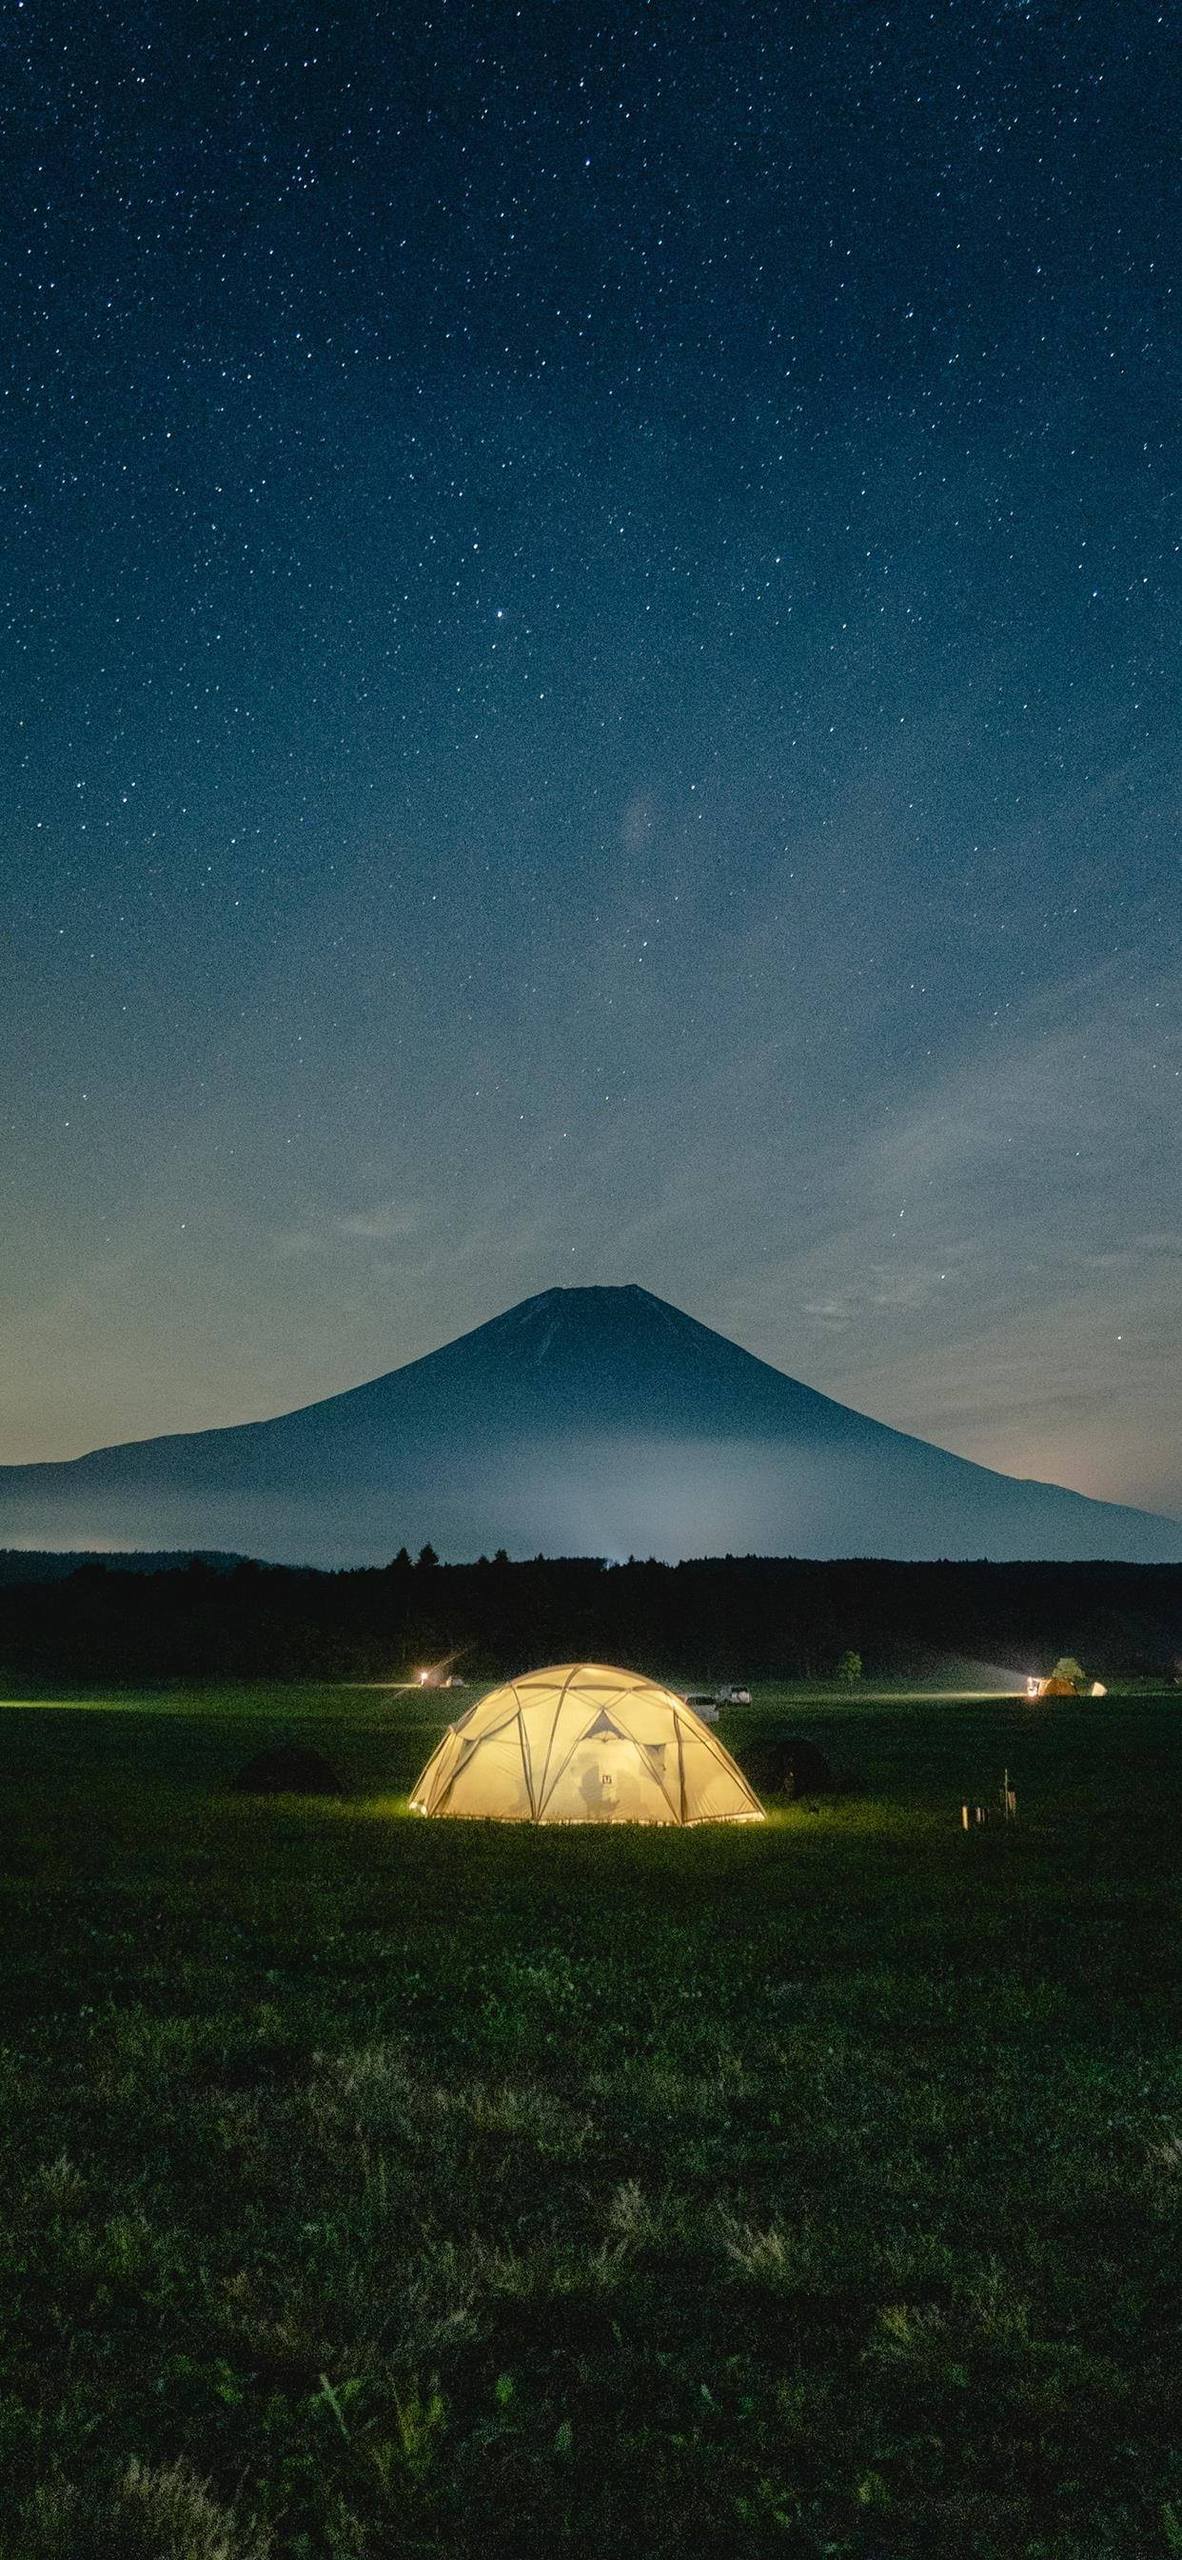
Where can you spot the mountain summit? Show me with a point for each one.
(581, 1422)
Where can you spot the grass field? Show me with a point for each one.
(376, 2186)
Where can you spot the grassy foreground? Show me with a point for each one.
(374, 2186)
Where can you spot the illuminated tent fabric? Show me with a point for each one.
(583, 1743)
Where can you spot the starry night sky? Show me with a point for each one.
(591, 610)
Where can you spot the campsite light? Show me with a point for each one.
(1032, 1684)
(443, 1675)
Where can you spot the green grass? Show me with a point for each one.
(376, 2186)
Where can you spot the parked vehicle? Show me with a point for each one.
(706, 1702)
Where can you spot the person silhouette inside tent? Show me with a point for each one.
(600, 1790)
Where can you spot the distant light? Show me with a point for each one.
(424, 1676)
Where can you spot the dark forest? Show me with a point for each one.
(724, 1618)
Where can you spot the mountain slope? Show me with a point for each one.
(589, 1421)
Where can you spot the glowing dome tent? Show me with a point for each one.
(583, 1743)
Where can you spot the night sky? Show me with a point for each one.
(591, 641)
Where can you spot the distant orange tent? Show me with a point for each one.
(1067, 1680)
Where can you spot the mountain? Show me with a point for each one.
(582, 1422)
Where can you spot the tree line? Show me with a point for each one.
(712, 1620)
